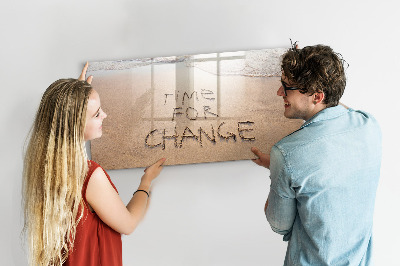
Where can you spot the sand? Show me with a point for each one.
(186, 114)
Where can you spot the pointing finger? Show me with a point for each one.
(161, 161)
(158, 163)
(83, 74)
(256, 151)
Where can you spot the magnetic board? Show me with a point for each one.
(189, 109)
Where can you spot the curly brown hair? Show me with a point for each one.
(316, 69)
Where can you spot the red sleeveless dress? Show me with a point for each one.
(95, 242)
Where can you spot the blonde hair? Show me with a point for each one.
(55, 167)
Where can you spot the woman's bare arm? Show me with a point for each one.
(108, 205)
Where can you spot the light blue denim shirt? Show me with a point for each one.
(324, 178)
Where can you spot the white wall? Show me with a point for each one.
(205, 214)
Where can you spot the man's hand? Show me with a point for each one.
(263, 159)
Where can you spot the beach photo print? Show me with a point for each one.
(189, 109)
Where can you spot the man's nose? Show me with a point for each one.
(280, 91)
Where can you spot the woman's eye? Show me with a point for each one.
(97, 115)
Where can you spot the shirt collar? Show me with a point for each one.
(326, 114)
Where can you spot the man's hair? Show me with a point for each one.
(316, 69)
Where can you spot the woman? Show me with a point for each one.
(73, 213)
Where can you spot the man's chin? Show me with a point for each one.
(290, 116)
(287, 115)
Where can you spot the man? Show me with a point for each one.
(325, 174)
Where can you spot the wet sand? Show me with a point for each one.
(186, 115)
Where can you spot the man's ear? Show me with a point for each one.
(318, 97)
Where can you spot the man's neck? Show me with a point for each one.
(318, 108)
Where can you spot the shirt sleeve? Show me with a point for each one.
(281, 210)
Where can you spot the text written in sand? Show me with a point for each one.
(184, 111)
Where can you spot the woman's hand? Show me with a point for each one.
(151, 172)
(83, 74)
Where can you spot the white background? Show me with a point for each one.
(204, 214)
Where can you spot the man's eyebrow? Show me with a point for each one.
(287, 85)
